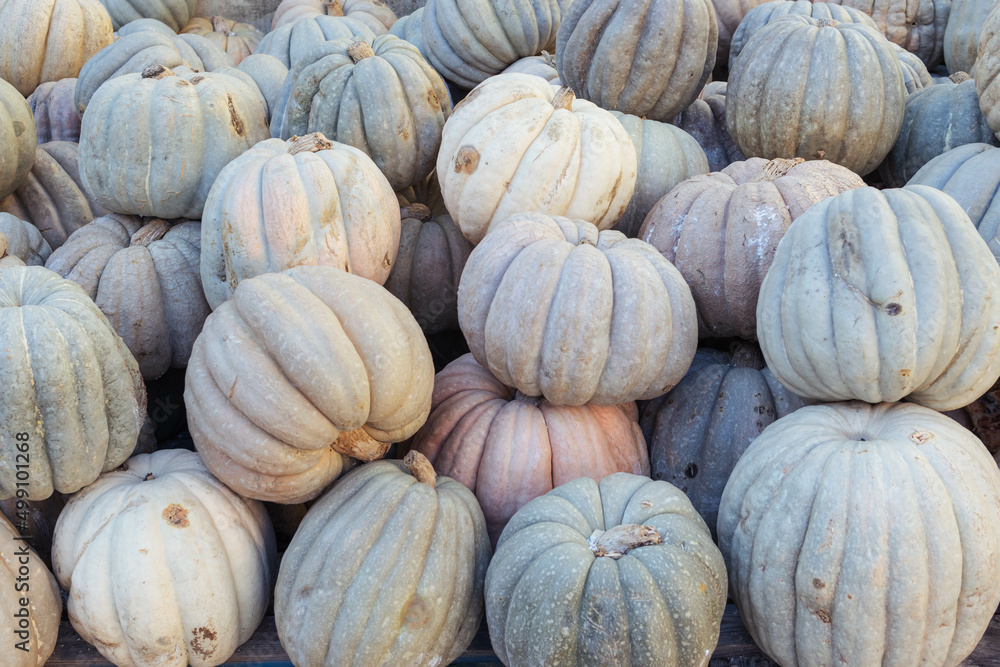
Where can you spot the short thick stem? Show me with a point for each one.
(333, 8)
(417, 211)
(360, 50)
(775, 169)
(309, 143)
(959, 77)
(564, 98)
(620, 540)
(221, 24)
(154, 230)
(549, 60)
(420, 467)
(157, 72)
(359, 445)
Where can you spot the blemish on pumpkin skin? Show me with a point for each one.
(823, 615)
(237, 122)
(817, 584)
(417, 615)
(176, 516)
(466, 160)
(203, 635)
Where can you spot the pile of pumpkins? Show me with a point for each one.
(717, 281)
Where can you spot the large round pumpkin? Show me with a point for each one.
(916, 25)
(374, 14)
(291, 41)
(721, 231)
(961, 35)
(18, 137)
(986, 71)
(305, 201)
(777, 106)
(30, 602)
(298, 370)
(880, 295)
(648, 58)
(516, 145)
(164, 565)
(183, 128)
(380, 97)
(24, 241)
(386, 569)
(54, 110)
(237, 39)
(519, 306)
(174, 13)
(68, 379)
(618, 572)
(864, 535)
(509, 448)
(705, 120)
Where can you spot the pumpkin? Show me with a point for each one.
(144, 277)
(777, 107)
(937, 119)
(410, 28)
(427, 192)
(37, 519)
(269, 74)
(647, 58)
(915, 74)
(18, 136)
(135, 52)
(698, 430)
(305, 201)
(543, 66)
(970, 174)
(69, 379)
(299, 370)
(140, 25)
(961, 34)
(666, 155)
(924, 325)
(532, 269)
(515, 145)
(374, 14)
(729, 15)
(863, 534)
(24, 241)
(52, 197)
(164, 565)
(416, 539)
(428, 266)
(469, 42)
(30, 600)
(509, 448)
(164, 173)
(987, 69)
(618, 572)
(174, 13)
(54, 111)
(380, 97)
(762, 14)
(237, 39)
(49, 40)
(721, 231)
(916, 26)
(292, 41)
(705, 120)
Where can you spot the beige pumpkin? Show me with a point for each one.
(18, 137)
(237, 39)
(519, 306)
(916, 25)
(375, 14)
(986, 71)
(305, 201)
(721, 230)
(48, 40)
(24, 241)
(509, 448)
(363, 378)
(516, 144)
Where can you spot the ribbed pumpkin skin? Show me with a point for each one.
(52, 197)
(18, 136)
(145, 279)
(237, 39)
(551, 601)
(423, 548)
(24, 240)
(705, 120)
(762, 14)
(532, 270)
(543, 66)
(666, 156)
(916, 26)
(698, 431)
(509, 448)
(390, 104)
(647, 58)
(291, 41)
(970, 175)
(469, 42)
(779, 106)
(273, 208)
(269, 74)
(410, 28)
(174, 13)
(721, 231)
(574, 159)
(52, 106)
(375, 14)
(154, 168)
(69, 379)
(915, 74)
(986, 71)
(165, 566)
(362, 369)
(880, 295)
(961, 36)
(864, 535)
(729, 15)
(39, 588)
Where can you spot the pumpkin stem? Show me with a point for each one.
(333, 8)
(220, 24)
(420, 467)
(309, 143)
(4, 245)
(157, 72)
(358, 444)
(620, 540)
(564, 98)
(360, 50)
(775, 169)
(549, 60)
(827, 23)
(746, 355)
(959, 77)
(418, 211)
(154, 230)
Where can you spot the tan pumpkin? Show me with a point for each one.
(363, 378)
(916, 25)
(519, 306)
(305, 201)
(17, 136)
(24, 241)
(721, 231)
(373, 13)
(237, 39)
(986, 71)
(54, 110)
(509, 448)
